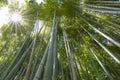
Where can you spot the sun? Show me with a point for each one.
(16, 17)
(16, 21)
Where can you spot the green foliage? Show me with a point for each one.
(79, 40)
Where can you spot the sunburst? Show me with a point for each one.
(16, 17)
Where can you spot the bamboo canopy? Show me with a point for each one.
(60, 40)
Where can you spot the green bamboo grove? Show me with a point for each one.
(60, 40)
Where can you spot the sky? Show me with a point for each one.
(4, 16)
(39, 1)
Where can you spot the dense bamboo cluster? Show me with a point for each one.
(78, 40)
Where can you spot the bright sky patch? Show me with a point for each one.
(4, 18)
(39, 1)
